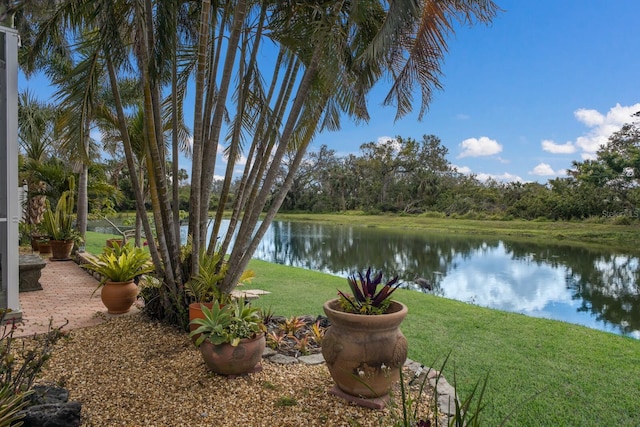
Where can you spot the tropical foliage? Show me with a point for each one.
(228, 323)
(58, 223)
(366, 298)
(267, 77)
(120, 263)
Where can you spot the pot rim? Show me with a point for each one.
(391, 319)
(126, 282)
(261, 335)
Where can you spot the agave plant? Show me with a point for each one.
(366, 298)
(228, 323)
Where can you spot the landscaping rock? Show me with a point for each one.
(283, 360)
(53, 415)
(312, 359)
(48, 394)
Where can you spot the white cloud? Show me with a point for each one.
(484, 146)
(386, 139)
(601, 126)
(462, 169)
(505, 177)
(552, 147)
(543, 169)
(462, 116)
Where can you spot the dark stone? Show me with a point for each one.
(30, 268)
(43, 394)
(53, 415)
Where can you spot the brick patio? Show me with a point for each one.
(66, 295)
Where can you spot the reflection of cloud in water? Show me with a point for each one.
(619, 273)
(495, 280)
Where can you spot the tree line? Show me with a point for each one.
(403, 175)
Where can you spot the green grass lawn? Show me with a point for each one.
(95, 242)
(576, 376)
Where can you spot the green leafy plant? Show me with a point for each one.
(120, 263)
(228, 323)
(19, 366)
(58, 223)
(365, 297)
(204, 286)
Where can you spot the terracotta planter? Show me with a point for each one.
(110, 242)
(34, 243)
(363, 352)
(44, 247)
(195, 312)
(118, 297)
(224, 359)
(61, 249)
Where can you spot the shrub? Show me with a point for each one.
(19, 365)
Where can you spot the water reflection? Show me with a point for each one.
(595, 288)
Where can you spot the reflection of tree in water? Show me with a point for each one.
(606, 284)
(344, 250)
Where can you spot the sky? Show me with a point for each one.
(545, 84)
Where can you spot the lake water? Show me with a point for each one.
(595, 288)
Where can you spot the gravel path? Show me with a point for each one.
(130, 371)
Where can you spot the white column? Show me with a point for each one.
(9, 203)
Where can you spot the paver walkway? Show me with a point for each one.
(65, 295)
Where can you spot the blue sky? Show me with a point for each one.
(544, 85)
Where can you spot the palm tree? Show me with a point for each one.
(35, 137)
(329, 56)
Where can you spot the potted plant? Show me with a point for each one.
(58, 225)
(44, 245)
(364, 347)
(230, 336)
(119, 267)
(202, 288)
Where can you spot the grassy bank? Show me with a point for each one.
(580, 376)
(588, 232)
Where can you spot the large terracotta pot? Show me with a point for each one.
(118, 297)
(363, 352)
(225, 359)
(61, 249)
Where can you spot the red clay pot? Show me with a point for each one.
(61, 249)
(118, 297)
(224, 359)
